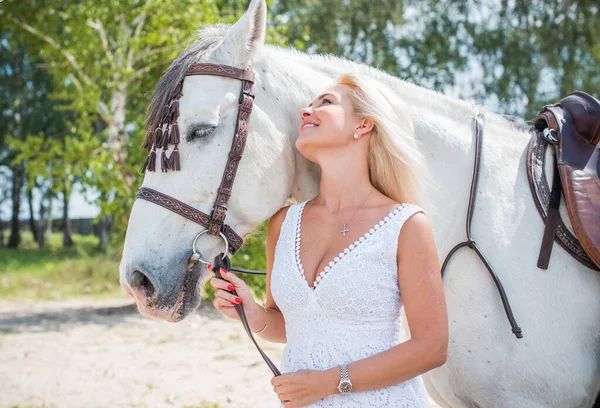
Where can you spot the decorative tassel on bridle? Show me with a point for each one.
(166, 133)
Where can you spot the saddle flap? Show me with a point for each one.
(576, 123)
(582, 193)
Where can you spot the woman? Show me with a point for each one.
(335, 296)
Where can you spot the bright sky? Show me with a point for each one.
(79, 207)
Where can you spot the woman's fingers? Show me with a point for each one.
(231, 277)
(228, 296)
(231, 282)
(221, 284)
(220, 303)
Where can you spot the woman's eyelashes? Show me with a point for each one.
(200, 132)
(319, 104)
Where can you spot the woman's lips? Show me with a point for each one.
(308, 126)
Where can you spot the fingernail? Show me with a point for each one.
(238, 300)
(209, 266)
(223, 270)
(230, 287)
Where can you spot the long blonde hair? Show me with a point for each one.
(396, 164)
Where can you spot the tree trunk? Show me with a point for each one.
(103, 227)
(32, 223)
(67, 238)
(1, 234)
(49, 219)
(15, 224)
(117, 137)
(41, 230)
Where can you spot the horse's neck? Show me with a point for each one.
(443, 126)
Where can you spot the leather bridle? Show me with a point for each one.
(215, 222)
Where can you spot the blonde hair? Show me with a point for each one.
(396, 164)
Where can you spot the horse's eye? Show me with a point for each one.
(201, 132)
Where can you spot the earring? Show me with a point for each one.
(355, 135)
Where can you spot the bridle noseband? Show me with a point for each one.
(167, 133)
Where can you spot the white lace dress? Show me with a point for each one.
(352, 313)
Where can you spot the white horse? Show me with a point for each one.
(555, 364)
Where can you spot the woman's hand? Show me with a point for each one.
(301, 388)
(224, 301)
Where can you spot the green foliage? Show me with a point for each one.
(87, 270)
(78, 76)
(55, 272)
(105, 57)
(529, 53)
(361, 30)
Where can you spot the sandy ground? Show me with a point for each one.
(90, 353)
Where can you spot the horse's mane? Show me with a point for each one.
(434, 99)
(208, 39)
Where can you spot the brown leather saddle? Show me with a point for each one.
(572, 126)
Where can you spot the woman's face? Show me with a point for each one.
(328, 122)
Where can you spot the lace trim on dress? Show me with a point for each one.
(320, 275)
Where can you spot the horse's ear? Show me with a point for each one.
(245, 37)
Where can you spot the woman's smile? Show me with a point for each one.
(307, 124)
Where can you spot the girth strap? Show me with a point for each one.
(551, 222)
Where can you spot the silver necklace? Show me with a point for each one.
(345, 229)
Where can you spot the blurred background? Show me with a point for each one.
(76, 76)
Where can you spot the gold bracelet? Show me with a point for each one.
(263, 329)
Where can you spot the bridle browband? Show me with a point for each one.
(167, 133)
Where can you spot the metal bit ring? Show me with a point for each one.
(197, 255)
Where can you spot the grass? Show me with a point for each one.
(55, 273)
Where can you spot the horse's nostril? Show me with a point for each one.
(140, 281)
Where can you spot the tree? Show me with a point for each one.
(522, 54)
(26, 109)
(105, 57)
(361, 30)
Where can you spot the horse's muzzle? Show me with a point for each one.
(158, 300)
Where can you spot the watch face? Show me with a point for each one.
(345, 386)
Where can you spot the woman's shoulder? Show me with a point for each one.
(410, 218)
(407, 208)
(280, 215)
(277, 218)
(414, 224)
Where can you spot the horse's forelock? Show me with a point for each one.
(208, 39)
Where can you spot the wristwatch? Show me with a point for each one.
(345, 385)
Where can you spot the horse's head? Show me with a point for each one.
(154, 267)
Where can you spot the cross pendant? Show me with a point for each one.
(344, 230)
